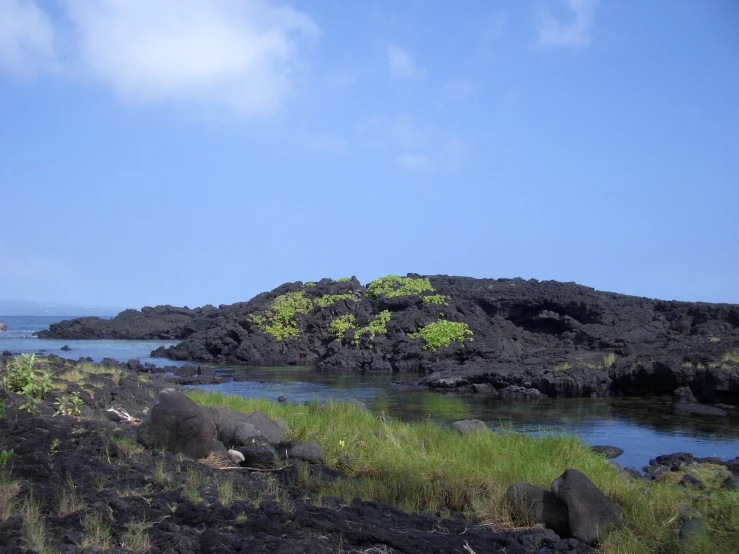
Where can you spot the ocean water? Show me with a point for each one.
(20, 339)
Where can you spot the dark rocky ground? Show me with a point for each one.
(561, 339)
(86, 472)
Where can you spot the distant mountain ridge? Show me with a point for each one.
(21, 307)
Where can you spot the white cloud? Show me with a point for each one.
(415, 163)
(26, 38)
(459, 90)
(237, 54)
(401, 64)
(575, 33)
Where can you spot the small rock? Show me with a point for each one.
(699, 409)
(590, 511)
(731, 483)
(692, 482)
(540, 506)
(134, 365)
(267, 427)
(632, 473)
(243, 433)
(684, 395)
(609, 452)
(258, 452)
(468, 426)
(309, 452)
(281, 399)
(66, 348)
(688, 512)
(691, 528)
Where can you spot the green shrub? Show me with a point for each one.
(442, 333)
(344, 280)
(329, 299)
(377, 326)
(310, 284)
(22, 376)
(339, 326)
(393, 286)
(438, 299)
(69, 404)
(279, 318)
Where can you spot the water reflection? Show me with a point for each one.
(643, 428)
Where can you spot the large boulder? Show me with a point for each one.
(267, 427)
(310, 452)
(590, 511)
(178, 424)
(225, 422)
(258, 452)
(539, 506)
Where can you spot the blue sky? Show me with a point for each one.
(192, 152)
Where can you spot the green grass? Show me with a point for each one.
(422, 466)
(563, 366)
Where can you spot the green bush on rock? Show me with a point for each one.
(279, 318)
(442, 333)
(339, 326)
(329, 299)
(377, 326)
(437, 299)
(393, 286)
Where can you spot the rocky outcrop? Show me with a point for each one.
(158, 323)
(527, 337)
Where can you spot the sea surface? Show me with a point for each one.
(20, 339)
(643, 428)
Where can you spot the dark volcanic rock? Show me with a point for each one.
(178, 424)
(539, 506)
(560, 339)
(590, 511)
(609, 452)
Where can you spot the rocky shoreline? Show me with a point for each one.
(506, 337)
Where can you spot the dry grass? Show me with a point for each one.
(136, 537)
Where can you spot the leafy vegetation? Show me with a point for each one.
(279, 319)
(414, 466)
(22, 376)
(344, 280)
(438, 299)
(442, 333)
(310, 284)
(377, 326)
(69, 405)
(393, 286)
(563, 366)
(339, 326)
(329, 299)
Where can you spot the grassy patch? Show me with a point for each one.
(136, 537)
(421, 467)
(443, 333)
(609, 359)
(393, 286)
(377, 326)
(97, 532)
(563, 366)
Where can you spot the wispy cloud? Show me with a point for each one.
(401, 64)
(573, 33)
(26, 38)
(415, 146)
(243, 56)
(238, 55)
(415, 163)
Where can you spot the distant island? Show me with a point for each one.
(502, 337)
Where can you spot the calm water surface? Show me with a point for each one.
(643, 428)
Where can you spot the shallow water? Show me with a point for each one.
(19, 339)
(643, 428)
